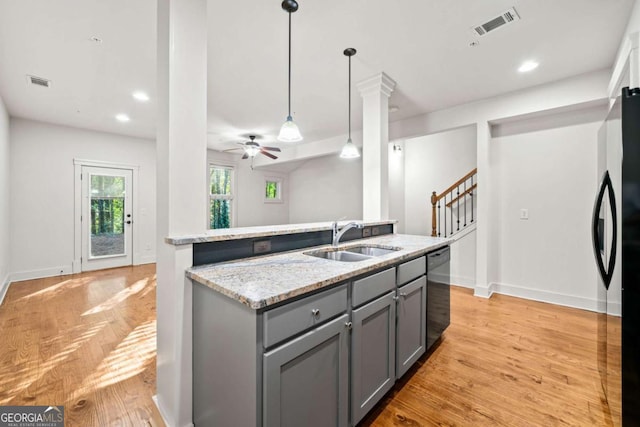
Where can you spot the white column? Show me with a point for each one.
(486, 240)
(181, 200)
(375, 93)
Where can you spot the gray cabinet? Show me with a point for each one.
(411, 324)
(305, 381)
(373, 348)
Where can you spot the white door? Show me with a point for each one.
(106, 218)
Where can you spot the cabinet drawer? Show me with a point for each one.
(411, 269)
(290, 319)
(372, 286)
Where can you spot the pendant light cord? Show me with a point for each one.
(289, 64)
(349, 98)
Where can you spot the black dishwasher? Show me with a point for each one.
(438, 294)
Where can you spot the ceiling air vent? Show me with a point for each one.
(505, 18)
(39, 81)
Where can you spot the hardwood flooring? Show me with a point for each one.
(503, 362)
(88, 342)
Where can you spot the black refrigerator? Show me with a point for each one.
(616, 244)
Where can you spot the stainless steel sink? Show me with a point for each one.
(343, 256)
(353, 253)
(371, 250)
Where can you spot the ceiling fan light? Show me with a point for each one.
(252, 150)
(289, 131)
(349, 151)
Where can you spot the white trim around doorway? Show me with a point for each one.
(77, 208)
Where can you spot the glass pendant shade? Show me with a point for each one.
(349, 151)
(252, 151)
(289, 131)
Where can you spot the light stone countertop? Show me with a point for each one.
(262, 231)
(263, 281)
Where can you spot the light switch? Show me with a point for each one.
(524, 213)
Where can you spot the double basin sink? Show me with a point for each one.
(353, 253)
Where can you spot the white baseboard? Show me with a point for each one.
(465, 282)
(483, 291)
(38, 274)
(4, 287)
(162, 413)
(614, 309)
(545, 296)
(148, 259)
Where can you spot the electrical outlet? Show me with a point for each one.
(261, 247)
(524, 213)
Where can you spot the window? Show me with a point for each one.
(220, 196)
(273, 190)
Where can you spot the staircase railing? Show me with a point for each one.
(459, 195)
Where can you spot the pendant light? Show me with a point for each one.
(349, 151)
(289, 131)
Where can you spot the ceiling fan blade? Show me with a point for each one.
(266, 153)
(232, 149)
(271, 148)
(245, 156)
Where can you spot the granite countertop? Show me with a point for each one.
(262, 231)
(263, 281)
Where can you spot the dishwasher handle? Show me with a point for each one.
(438, 258)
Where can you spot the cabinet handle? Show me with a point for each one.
(315, 312)
(349, 325)
(395, 298)
(403, 295)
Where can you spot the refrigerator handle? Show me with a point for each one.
(606, 274)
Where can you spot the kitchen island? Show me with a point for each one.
(289, 338)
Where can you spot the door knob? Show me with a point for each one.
(129, 222)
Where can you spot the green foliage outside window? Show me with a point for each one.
(271, 190)
(107, 204)
(220, 197)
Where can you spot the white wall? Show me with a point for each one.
(326, 189)
(433, 163)
(396, 186)
(4, 198)
(250, 206)
(633, 24)
(42, 196)
(551, 171)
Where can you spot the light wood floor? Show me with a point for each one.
(88, 342)
(503, 362)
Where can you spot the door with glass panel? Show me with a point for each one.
(106, 218)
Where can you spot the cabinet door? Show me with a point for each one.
(306, 379)
(373, 343)
(412, 318)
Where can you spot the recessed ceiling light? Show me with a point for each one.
(95, 39)
(140, 96)
(122, 118)
(528, 66)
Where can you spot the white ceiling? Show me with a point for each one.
(422, 44)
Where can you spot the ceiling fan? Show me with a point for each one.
(252, 148)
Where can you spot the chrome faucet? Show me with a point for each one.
(337, 234)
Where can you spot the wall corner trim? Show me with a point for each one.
(155, 400)
(4, 287)
(483, 291)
